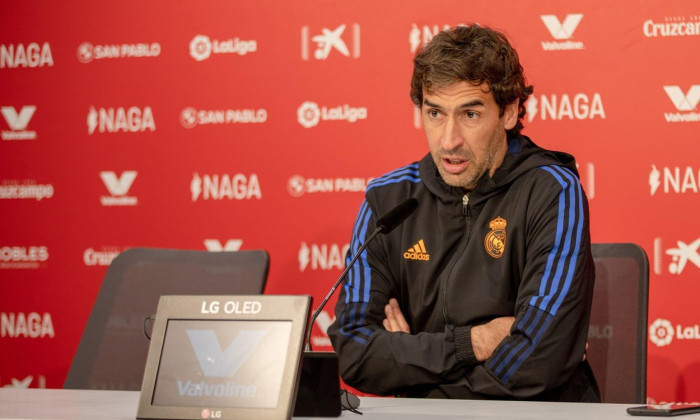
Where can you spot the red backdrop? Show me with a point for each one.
(227, 125)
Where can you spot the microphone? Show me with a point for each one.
(319, 382)
(384, 225)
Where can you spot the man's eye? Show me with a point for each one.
(433, 113)
(471, 114)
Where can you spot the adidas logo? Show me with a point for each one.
(417, 252)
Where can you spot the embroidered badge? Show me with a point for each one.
(495, 241)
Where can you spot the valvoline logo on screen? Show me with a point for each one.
(218, 363)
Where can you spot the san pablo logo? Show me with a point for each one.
(495, 240)
(191, 117)
(18, 123)
(88, 52)
(327, 40)
(684, 102)
(298, 185)
(562, 31)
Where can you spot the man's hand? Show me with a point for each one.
(486, 337)
(395, 321)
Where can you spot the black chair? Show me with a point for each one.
(113, 349)
(617, 336)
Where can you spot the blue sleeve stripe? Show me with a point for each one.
(406, 173)
(556, 281)
(357, 286)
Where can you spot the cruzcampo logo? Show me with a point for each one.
(495, 241)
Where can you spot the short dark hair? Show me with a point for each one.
(474, 54)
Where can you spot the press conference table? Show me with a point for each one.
(63, 404)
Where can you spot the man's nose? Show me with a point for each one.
(452, 137)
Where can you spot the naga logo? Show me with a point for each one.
(420, 36)
(558, 107)
(417, 252)
(28, 189)
(298, 185)
(32, 56)
(127, 120)
(23, 257)
(562, 32)
(322, 257)
(31, 325)
(683, 102)
(675, 180)
(190, 117)
(662, 332)
(88, 52)
(214, 245)
(202, 47)
(672, 26)
(118, 188)
(217, 363)
(329, 40)
(18, 123)
(681, 255)
(309, 114)
(232, 187)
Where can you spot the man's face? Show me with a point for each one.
(466, 135)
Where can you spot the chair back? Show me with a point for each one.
(617, 335)
(113, 349)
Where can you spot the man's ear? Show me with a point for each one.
(510, 115)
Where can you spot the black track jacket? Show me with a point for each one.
(519, 245)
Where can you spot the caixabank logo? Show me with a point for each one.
(684, 256)
(663, 332)
(31, 55)
(202, 47)
(343, 40)
(310, 114)
(225, 187)
(18, 122)
(562, 31)
(685, 103)
(674, 180)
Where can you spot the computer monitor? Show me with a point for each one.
(224, 357)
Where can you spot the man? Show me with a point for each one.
(485, 291)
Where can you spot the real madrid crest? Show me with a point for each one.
(495, 241)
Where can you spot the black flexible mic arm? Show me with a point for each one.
(385, 224)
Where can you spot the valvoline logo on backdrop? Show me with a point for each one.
(685, 103)
(562, 31)
(18, 121)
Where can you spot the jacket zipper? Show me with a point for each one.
(466, 212)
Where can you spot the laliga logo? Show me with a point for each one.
(200, 47)
(661, 332)
(309, 114)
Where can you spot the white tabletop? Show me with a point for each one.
(60, 404)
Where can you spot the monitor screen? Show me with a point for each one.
(222, 363)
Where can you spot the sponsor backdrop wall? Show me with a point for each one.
(232, 125)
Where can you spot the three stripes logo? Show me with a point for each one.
(417, 252)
